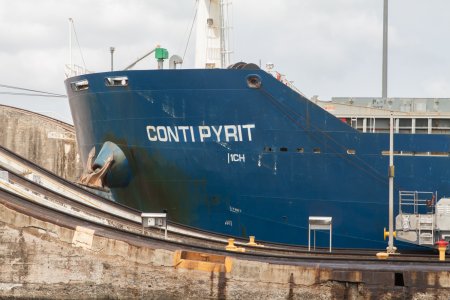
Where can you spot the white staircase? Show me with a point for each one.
(426, 229)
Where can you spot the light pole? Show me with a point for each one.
(390, 248)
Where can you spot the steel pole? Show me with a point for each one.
(391, 248)
(111, 49)
(385, 50)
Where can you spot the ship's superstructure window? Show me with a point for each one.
(300, 150)
(372, 115)
(402, 124)
(116, 81)
(316, 150)
(421, 125)
(80, 85)
(283, 149)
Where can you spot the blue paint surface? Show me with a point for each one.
(308, 171)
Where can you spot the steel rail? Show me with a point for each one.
(50, 215)
(196, 236)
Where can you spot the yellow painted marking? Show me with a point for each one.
(202, 261)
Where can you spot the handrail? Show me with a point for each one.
(75, 70)
(417, 199)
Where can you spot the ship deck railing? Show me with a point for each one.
(409, 124)
(75, 70)
(417, 202)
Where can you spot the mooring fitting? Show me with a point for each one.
(382, 255)
(252, 242)
(442, 247)
(232, 247)
(386, 233)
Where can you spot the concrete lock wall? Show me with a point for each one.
(41, 260)
(47, 142)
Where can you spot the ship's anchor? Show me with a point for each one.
(95, 177)
(110, 168)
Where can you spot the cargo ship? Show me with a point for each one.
(239, 152)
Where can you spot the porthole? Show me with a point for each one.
(253, 81)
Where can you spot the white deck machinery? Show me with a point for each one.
(422, 220)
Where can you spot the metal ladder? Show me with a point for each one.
(426, 229)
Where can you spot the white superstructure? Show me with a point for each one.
(212, 49)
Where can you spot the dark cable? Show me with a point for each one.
(190, 32)
(78, 43)
(30, 90)
(34, 95)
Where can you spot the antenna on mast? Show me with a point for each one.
(70, 49)
(71, 68)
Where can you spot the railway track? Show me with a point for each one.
(37, 192)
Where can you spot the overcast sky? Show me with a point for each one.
(327, 47)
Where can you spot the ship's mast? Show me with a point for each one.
(212, 48)
(70, 72)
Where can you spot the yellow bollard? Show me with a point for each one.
(442, 253)
(252, 241)
(442, 247)
(231, 246)
(386, 233)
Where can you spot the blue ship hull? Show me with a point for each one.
(222, 156)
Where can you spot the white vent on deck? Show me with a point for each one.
(443, 209)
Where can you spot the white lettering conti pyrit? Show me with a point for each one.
(202, 133)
